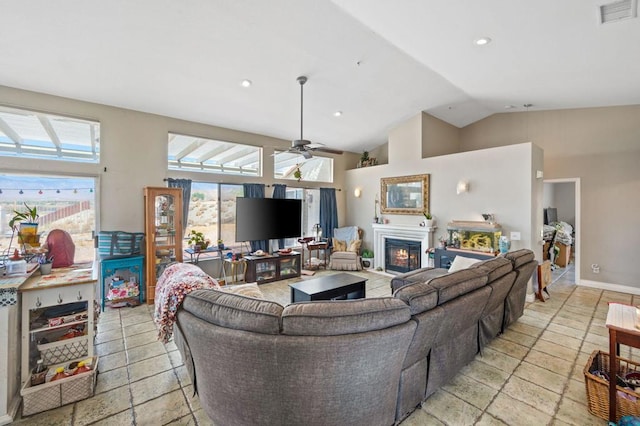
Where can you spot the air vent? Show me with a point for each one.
(623, 9)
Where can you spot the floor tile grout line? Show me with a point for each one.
(575, 361)
(126, 354)
(529, 349)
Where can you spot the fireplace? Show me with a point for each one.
(401, 255)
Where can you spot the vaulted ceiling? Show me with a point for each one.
(378, 62)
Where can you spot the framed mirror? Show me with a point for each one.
(405, 194)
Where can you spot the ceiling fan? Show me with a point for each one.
(302, 146)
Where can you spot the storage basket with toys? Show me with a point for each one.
(596, 379)
(58, 385)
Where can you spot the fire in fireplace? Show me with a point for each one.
(401, 255)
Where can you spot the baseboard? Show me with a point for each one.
(610, 287)
(12, 411)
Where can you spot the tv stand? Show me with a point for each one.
(275, 267)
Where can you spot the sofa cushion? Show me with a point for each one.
(354, 246)
(419, 296)
(460, 262)
(234, 311)
(339, 245)
(456, 284)
(494, 268)
(419, 275)
(520, 257)
(335, 317)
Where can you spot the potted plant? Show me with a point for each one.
(26, 224)
(428, 219)
(367, 258)
(220, 244)
(297, 173)
(197, 240)
(364, 158)
(366, 161)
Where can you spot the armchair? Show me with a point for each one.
(345, 255)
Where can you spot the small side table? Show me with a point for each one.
(621, 322)
(236, 266)
(318, 246)
(194, 257)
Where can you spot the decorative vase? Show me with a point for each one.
(429, 223)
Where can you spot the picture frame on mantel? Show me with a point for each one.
(405, 194)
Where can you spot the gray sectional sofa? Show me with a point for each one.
(357, 362)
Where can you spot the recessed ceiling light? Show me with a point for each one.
(246, 83)
(337, 113)
(482, 41)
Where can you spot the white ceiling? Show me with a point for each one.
(378, 61)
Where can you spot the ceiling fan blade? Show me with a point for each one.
(306, 154)
(328, 150)
(314, 145)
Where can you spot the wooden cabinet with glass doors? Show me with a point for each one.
(163, 232)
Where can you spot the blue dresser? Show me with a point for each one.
(122, 281)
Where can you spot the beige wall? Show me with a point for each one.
(514, 201)
(134, 153)
(438, 137)
(601, 147)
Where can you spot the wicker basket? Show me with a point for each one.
(36, 399)
(627, 401)
(64, 350)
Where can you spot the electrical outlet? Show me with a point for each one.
(515, 236)
(595, 268)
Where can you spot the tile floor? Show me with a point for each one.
(530, 375)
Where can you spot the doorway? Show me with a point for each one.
(564, 195)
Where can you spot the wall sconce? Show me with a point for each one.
(463, 186)
(357, 192)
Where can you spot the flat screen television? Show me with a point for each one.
(267, 218)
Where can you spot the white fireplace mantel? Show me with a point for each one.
(381, 231)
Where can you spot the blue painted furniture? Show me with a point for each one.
(122, 281)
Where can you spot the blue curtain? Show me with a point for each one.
(280, 191)
(256, 190)
(185, 184)
(328, 212)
